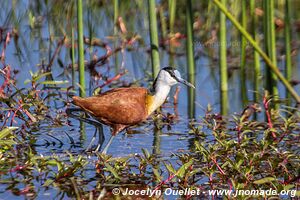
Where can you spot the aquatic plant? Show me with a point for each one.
(80, 49)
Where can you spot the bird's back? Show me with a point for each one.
(126, 106)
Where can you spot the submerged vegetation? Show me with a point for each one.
(42, 150)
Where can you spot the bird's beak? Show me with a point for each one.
(181, 80)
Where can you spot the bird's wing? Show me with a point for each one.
(118, 106)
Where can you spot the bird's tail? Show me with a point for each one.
(77, 100)
(85, 104)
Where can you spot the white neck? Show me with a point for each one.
(161, 93)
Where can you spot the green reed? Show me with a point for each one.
(80, 48)
(163, 22)
(73, 57)
(172, 12)
(190, 57)
(243, 54)
(287, 35)
(116, 15)
(256, 61)
(223, 62)
(257, 48)
(270, 45)
(153, 38)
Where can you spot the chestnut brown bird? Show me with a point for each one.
(123, 107)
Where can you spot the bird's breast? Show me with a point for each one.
(149, 104)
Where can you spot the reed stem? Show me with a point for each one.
(172, 12)
(270, 44)
(153, 38)
(257, 73)
(190, 57)
(163, 22)
(116, 15)
(223, 63)
(273, 45)
(243, 54)
(73, 58)
(288, 58)
(80, 49)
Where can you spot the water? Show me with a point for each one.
(130, 142)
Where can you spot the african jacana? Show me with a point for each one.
(123, 107)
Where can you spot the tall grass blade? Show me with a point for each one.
(172, 12)
(270, 44)
(243, 54)
(257, 69)
(223, 62)
(287, 36)
(116, 16)
(80, 48)
(153, 38)
(190, 57)
(163, 22)
(73, 57)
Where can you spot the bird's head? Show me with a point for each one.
(169, 76)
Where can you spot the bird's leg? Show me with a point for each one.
(104, 151)
(101, 138)
(92, 140)
(97, 125)
(116, 128)
(70, 111)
